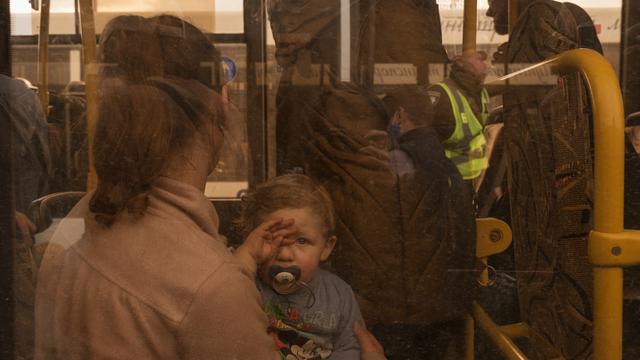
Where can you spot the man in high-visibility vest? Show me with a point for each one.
(461, 109)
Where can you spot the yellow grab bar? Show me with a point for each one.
(43, 56)
(610, 246)
(493, 236)
(608, 122)
(91, 79)
(504, 343)
(469, 27)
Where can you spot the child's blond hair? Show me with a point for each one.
(286, 192)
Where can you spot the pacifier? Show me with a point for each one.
(284, 279)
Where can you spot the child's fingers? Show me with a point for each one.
(277, 243)
(267, 225)
(282, 240)
(282, 224)
(286, 241)
(286, 232)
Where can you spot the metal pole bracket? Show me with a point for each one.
(614, 249)
(493, 236)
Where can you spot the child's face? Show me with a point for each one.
(310, 248)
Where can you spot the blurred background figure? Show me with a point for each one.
(68, 136)
(419, 154)
(22, 112)
(553, 173)
(461, 110)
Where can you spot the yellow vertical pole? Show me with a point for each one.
(607, 313)
(608, 204)
(91, 79)
(43, 56)
(608, 115)
(469, 27)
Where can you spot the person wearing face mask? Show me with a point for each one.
(460, 110)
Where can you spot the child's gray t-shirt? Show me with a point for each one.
(320, 329)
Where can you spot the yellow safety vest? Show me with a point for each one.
(466, 146)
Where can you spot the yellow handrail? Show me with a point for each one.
(608, 117)
(469, 27)
(504, 343)
(516, 331)
(91, 79)
(610, 246)
(43, 57)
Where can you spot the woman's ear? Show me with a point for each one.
(328, 248)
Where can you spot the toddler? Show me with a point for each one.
(311, 311)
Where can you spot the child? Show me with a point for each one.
(311, 311)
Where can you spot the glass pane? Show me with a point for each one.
(199, 12)
(415, 143)
(26, 21)
(229, 17)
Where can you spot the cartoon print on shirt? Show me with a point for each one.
(291, 344)
(308, 351)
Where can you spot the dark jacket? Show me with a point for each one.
(20, 112)
(547, 137)
(451, 208)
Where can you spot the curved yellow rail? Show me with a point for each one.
(610, 246)
(469, 27)
(608, 127)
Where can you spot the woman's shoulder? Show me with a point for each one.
(161, 263)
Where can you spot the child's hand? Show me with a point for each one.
(264, 242)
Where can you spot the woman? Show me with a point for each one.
(150, 277)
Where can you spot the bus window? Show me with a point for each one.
(416, 143)
(66, 83)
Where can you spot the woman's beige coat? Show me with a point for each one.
(162, 286)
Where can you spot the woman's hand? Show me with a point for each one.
(264, 242)
(27, 228)
(370, 348)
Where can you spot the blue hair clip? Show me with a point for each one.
(229, 68)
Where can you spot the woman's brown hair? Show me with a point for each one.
(179, 37)
(143, 120)
(286, 192)
(130, 48)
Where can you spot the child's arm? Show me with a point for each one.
(263, 242)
